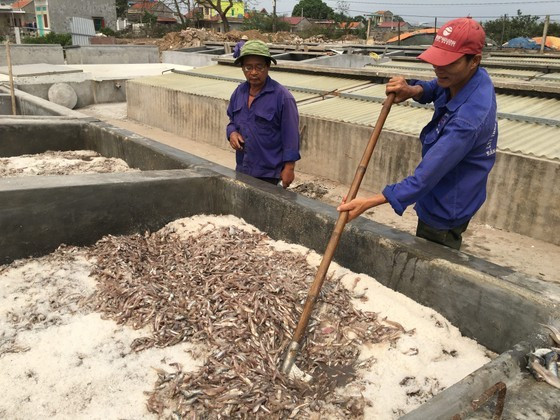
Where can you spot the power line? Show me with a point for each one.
(454, 4)
(368, 12)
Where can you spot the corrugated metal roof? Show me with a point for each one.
(530, 106)
(527, 137)
(515, 136)
(521, 60)
(290, 79)
(397, 66)
(194, 85)
(200, 86)
(507, 104)
(554, 77)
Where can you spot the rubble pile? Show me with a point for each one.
(192, 37)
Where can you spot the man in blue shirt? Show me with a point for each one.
(263, 124)
(458, 144)
(239, 45)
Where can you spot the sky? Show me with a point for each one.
(424, 11)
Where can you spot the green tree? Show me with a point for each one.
(553, 29)
(149, 18)
(314, 9)
(263, 22)
(122, 7)
(507, 27)
(50, 38)
(220, 9)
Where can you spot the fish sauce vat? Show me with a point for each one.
(491, 304)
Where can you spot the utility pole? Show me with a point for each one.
(435, 26)
(503, 30)
(545, 30)
(11, 75)
(273, 15)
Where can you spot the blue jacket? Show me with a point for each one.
(270, 129)
(458, 151)
(237, 48)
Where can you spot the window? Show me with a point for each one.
(98, 23)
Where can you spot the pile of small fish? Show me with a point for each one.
(66, 162)
(231, 292)
(543, 363)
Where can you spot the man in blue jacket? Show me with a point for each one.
(239, 45)
(458, 144)
(263, 124)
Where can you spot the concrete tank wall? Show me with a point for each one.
(352, 61)
(5, 104)
(513, 180)
(87, 90)
(112, 54)
(32, 54)
(187, 59)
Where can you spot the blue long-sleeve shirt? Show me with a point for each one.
(270, 128)
(237, 48)
(458, 152)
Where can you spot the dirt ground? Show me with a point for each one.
(521, 253)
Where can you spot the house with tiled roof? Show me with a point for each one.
(393, 26)
(164, 14)
(297, 23)
(381, 16)
(27, 18)
(352, 26)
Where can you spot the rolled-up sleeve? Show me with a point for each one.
(290, 130)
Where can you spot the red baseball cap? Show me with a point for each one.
(453, 40)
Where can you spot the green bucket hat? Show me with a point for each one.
(254, 47)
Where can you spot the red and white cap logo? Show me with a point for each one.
(453, 40)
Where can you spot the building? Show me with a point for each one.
(237, 11)
(210, 19)
(393, 26)
(28, 7)
(56, 15)
(297, 24)
(351, 26)
(8, 19)
(163, 13)
(381, 16)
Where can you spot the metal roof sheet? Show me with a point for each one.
(289, 79)
(520, 60)
(397, 66)
(200, 86)
(194, 85)
(528, 138)
(538, 108)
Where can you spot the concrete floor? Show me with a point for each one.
(527, 255)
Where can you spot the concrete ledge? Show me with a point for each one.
(37, 214)
(27, 136)
(457, 398)
(32, 105)
(32, 54)
(188, 58)
(112, 54)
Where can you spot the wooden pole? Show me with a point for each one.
(545, 30)
(335, 238)
(9, 62)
